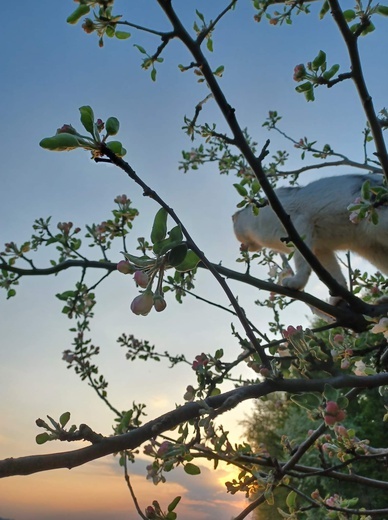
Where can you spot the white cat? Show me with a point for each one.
(319, 213)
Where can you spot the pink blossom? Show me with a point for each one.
(121, 199)
(299, 71)
(200, 361)
(291, 331)
(354, 217)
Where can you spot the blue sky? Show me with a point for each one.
(49, 69)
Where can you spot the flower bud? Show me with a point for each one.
(141, 279)
(159, 303)
(143, 303)
(125, 267)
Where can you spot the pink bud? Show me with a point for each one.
(331, 407)
(330, 420)
(141, 279)
(143, 303)
(124, 267)
(159, 303)
(340, 415)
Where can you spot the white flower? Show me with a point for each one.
(381, 326)
(359, 368)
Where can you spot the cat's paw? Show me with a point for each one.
(294, 282)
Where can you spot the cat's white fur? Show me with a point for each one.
(319, 213)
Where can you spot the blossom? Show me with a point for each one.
(200, 361)
(68, 356)
(299, 72)
(291, 331)
(381, 326)
(65, 227)
(359, 368)
(121, 199)
(354, 217)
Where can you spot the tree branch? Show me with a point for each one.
(133, 439)
(351, 41)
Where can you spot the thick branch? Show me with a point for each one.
(168, 421)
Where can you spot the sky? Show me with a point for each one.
(50, 69)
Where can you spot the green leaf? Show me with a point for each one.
(342, 402)
(318, 61)
(78, 13)
(112, 125)
(177, 255)
(140, 261)
(153, 74)
(191, 469)
(159, 227)
(382, 9)
(291, 500)
(116, 148)
(241, 190)
(189, 263)
(122, 35)
(255, 187)
(110, 31)
(309, 94)
(304, 87)
(219, 71)
(140, 48)
(10, 293)
(331, 72)
(309, 401)
(87, 118)
(64, 419)
(60, 143)
(176, 233)
(174, 239)
(349, 15)
(330, 393)
(41, 438)
(65, 295)
(365, 190)
(171, 516)
(324, 10)
(368, 29)
(200, 16)
(174, 503)
(209, 44)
